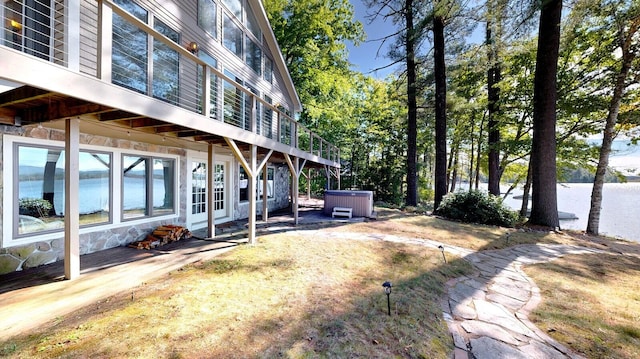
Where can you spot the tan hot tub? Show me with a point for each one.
(361, 202)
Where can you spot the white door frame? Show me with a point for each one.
(198, 221)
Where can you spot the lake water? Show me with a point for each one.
(620, 214)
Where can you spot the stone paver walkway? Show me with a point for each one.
(487, 312)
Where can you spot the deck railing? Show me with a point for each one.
(117, 45)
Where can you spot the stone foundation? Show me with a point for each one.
(40, 253)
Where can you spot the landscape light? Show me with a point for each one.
(387, 290)
(442, 250)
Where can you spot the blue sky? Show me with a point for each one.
(364, 57)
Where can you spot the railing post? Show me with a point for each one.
(278, 126)
(206, 91)
(72, 41)
(254, 122)
(105, 30)
(294, 135)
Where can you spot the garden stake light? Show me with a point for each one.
(443, 256)
(387, 289)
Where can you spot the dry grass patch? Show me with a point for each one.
(293, 295)
(471, 236)
(591, 303)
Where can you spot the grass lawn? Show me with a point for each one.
(591, 303)
(305, 294)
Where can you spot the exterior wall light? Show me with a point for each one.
(193, 47)
(387, 290)
(16, 26)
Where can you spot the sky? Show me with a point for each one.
(364, 57)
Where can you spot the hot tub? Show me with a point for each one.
(361, 202)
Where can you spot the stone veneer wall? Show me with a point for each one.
(49, 251)
(280, 193)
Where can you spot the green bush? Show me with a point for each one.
(34, 207)
(477, 207)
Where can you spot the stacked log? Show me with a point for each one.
(162, 235)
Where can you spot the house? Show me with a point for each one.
(117, 116)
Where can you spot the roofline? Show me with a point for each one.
(256, 6)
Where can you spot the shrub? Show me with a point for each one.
(34, 207)
(477, 207)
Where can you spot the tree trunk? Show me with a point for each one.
(628, 56)
(524, 208)
(412, 132)
(479, 154)
(544, 210)
(440, 110)
(493, 96)
(471, 155)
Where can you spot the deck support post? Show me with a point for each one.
(265, 194)
(71, 199)
(296, 169)
(252, 169)
(252, 193)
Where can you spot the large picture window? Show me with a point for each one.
(148, 186)
(40, 173)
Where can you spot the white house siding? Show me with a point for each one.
(89, 37)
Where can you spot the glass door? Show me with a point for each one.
(199, 180)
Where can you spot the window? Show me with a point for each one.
(270, 175)
(147, 186)
(198, 187)
(268, 70)
(234, 6)
(232, 36)
(252, 24)
(129, 68)
(28, 26)
(207, 16)
(166, 65)
(253, 56)
(266, 128)
(244, 184)
(213, 87)
(131, 56)
(234, 103)
(40, 188)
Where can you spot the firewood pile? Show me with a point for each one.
(162, 235)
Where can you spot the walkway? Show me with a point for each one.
(487, 313)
